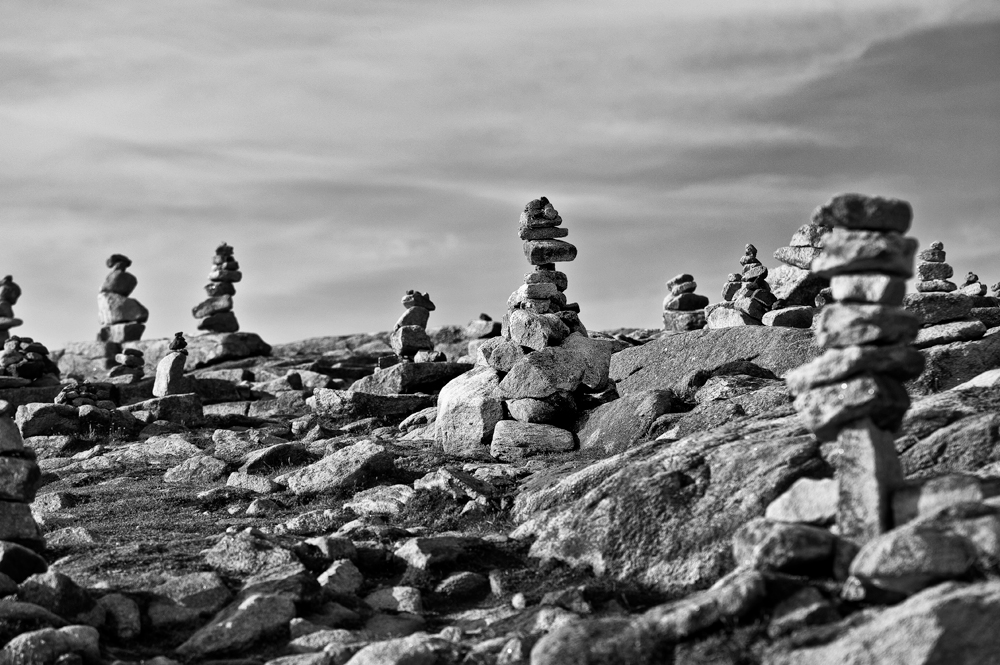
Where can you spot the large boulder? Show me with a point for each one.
(664, 514)
(468, 410)
(663, 363)
(622, 423)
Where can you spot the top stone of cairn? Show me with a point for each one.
(865, 213)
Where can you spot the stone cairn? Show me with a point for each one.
(10, 292)
(944, 310)
(409, 339)
(745, 302)
(25, 361)
(853, 393)
(216, 312)
(683, 309)
(122, 318)
(20, 478)
(170, 369)
(794, 285)
(129, 368)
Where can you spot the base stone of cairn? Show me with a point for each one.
(122, 318)
(10, 292)
(170, 370)
(745, 302)
(853, 394)
(215, 314)
(19, 480)
(683, 309)
(944, 310)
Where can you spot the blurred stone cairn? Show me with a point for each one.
(521, 397)
(942, 307)
(853, 394)
(683, 309)
(122, 318)
(24, 362)
(9, 294)
(216, 312)
(20, 537)
(409, 337)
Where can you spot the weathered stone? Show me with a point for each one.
(558, 409)
(899, 362)
(407, 340)
(50, 645)
(933, 308)
(241, 625)
(800, 257)
(620, 424)
(866, 251)
(39, 419)
(184, 409)
(796, 286)
(929, 272)
(858, 211)
(213, 305)
(541, 252)
(927, 498)
(418, 649)
(220, 322)
(342, 577)
(947, 333)
(197, 469)
(536, 331)
(790, 317)
(347, 403)
(121, 282)
(408, 378)
(513, 440)
(222, 275)
(114, 308)
(397, 599)
(839, 326)
(121, 332)
(765, 545)
(868, 288)
(170, 376)
(543, 373)
(936, 286)
(468, 411)
(806, 607)
(19, 479)
(951, 364)
(727, 317)
(545, 233)
(825, 409)
(19, 563)
(685, 302)
(551, 276)
(810, 235)
(990, 316)
(807, 501)
(381, 500)
(341, 469)
(684, 321)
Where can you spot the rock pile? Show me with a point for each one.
(9, 294)
(216, 312)
(972, 287)
(25, 361)
(792, 282)
(409, 337)
(122, 318)
(170, 370)
(748, 301)
(19, 480)
(683, 309)
(944, 310)
(129, 368)
(854, 392)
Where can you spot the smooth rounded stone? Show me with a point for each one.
(910, 558)
(482, 328)
(539, 252)
(406, 341)
(19, 479)
(397, 599)
(947, 333)
(513, 440)
(543, 373)
(765, 545)
(468, 411)
(121, 282)
(790, 317)
(414, 316)
(536, 331)
(241, 625)
(936, 286)
(541, 233)
(932, 308)
(114, 308)
(51, 645)
(686, 302)
(810, 235)
(858, 211)
(342, 577)
(19, 563)
(223, 322)
(221, 275)
(990, 316)
(684, 321)
(213, 305)
(800, 257)
(866, 251)
(129, 359)
(868, 288)
(540, 276)
(928, 272)
(557, 409)
(807, 501)
(170, 375)
(840, 325)
(899, 362)
(825, 409)
(726, 317)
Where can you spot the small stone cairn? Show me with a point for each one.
(944, 310)
(409, 339)
(683, 309)
(853, 394)
(10, 292)
(129, 368)
(216, 312)
(24, 361)
(170, 369)
(748, 300)
(19, 480)
(122, 318)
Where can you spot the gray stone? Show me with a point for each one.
(990, 316)
(806, 607)
(333, 402)
(866, 251)
(38, 419)
(197, 469)
(213, 305)
(241, 625)
(407, 340)
(796, 286)
(790, 317)
(543, 373)
(513, 440)
(947, 333)
(536, 331)
(184, 409)
(343, 468)
(414, 316)
(342, 577)
(932, 308)
(19, 479)
(114, 308)
(930, 272)
(684, 321)
(468, 411)
(50, 645)
(839, 326)
(858, 211)
(807, 501)
(800, 257)
(541, 252)
(928, 497)
(558, 409)
(810, 235)
(825, 409)
(19, 563)
(765, 545)
(620, 424)
(899, 362)
(553, 276)
(936, 286)
(170, 375)
(381, 500)
(397, 599)
(868, 288)
(951, 364)
(419, 649)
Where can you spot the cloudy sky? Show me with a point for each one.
(350, 151)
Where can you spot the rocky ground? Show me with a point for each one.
(288, 526)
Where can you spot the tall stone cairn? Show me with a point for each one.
(216, 312)
(409, 337)
(944, 310)
(853, 394)
(122, 318)
(10, 292)
(683, 309)
(19, 480)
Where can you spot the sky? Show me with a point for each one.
(351, 151)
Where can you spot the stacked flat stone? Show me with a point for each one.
(122, 318)
(10, 292)
(26, 362)
(19, 480)
(748, 301)
(792, 282)
(683, 309)
(216, 312)
(409, 338)
(944, 311)
(854, 392)
(129, 368)
(170, 369)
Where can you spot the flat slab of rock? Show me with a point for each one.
(348, 403)
(408, 378)
(951, 364)
(620, 424)
(662, 363)
(513, 440)
(946, 333)
(343, 468)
